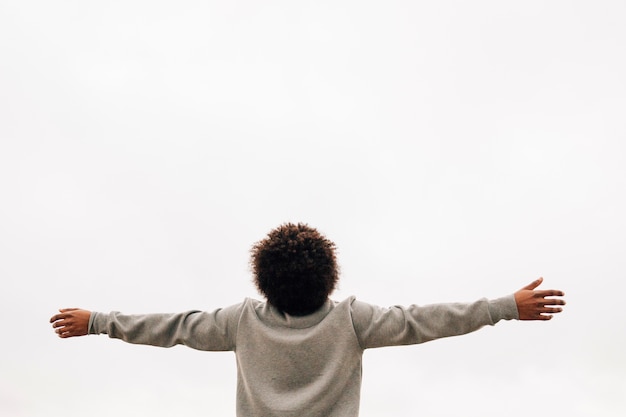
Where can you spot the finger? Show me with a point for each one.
(541, 316)
(60, 323)
(58, 317)
(534, 284)
(65, 332)
(68, 333)
(553, 302)
(63, 310)
(549, 293)
(551, 310)
(63, 323)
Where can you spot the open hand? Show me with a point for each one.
(534, 305)
(71, 322)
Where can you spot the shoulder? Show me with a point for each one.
(359, 310)
(252, 304)
(356, 306)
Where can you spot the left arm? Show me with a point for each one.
(196, 329)
(71, 322)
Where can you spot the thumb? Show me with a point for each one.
(533, 284)
(64, 310)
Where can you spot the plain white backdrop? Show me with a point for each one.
(452, 150)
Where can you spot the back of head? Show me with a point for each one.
(295, 268)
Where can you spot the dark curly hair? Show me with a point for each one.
(295, 268)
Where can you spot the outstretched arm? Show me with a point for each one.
(197, 329)
(535, 305)
(397, 325)
(71, 322)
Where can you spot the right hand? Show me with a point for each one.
(71, 322)
(534, 304)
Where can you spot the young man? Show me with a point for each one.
(299, 353)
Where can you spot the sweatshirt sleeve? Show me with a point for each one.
(398, 325)
(200, 330)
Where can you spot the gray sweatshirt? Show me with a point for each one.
(304, 366)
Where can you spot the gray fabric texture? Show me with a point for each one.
(307, 366)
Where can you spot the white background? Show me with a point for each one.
(452, 150)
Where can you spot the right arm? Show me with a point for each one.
(398, 325)
(376, 327)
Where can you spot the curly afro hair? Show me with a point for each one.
(295, 268)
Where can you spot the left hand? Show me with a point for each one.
(71, 322)
(534, 305)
